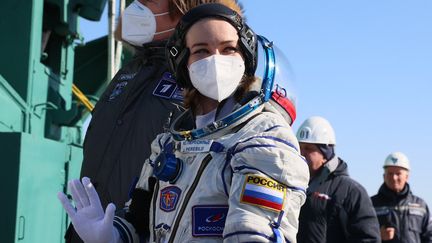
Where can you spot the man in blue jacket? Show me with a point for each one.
(403, 217)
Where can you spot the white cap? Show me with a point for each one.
(397, 159)
(316, 130)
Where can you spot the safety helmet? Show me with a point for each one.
(178, 54)
(397, 159)
(316, 130)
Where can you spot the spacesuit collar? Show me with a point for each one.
(185, 121)
(224, 109)
(227, 106)
(204, 120)
(184, 124)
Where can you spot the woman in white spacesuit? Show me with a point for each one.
(229, 169)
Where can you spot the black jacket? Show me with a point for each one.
(407, 213)
(337, 209)
(136, 106)
(127, 118)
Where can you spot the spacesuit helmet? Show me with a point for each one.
(271, 85)
(276, 79)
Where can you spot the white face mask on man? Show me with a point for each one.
(217, 76)
(139, 24)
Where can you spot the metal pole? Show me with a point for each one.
(119, 44)
(111, 41)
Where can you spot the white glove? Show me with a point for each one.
(89, 219)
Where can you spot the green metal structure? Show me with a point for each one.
(40, 121)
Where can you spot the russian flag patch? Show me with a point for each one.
(263, 192)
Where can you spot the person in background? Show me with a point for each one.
(403, 217)
(138, 104)
(229, 169)
(337, 208)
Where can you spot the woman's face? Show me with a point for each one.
(210, 37)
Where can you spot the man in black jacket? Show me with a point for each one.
(403, 217)
(337, 208)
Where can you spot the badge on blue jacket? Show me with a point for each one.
(167, 88)
(118, 89)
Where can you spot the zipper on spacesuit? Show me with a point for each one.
(203, 165)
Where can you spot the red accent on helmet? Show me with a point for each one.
(286, 104)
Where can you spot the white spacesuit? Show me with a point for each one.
(229, 170)
(244, 186)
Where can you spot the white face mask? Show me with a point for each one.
(217, 76)
(139, 24)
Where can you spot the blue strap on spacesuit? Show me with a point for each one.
(275, 227)
(217, 147)
(228, 157)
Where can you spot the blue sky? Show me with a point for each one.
(366, 66)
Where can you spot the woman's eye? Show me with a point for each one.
(231, 49)
(200, 51)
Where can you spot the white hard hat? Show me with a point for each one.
(397, 159)
(316, 130)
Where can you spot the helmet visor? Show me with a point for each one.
(276, 75)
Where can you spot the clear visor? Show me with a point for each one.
(275, 72)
